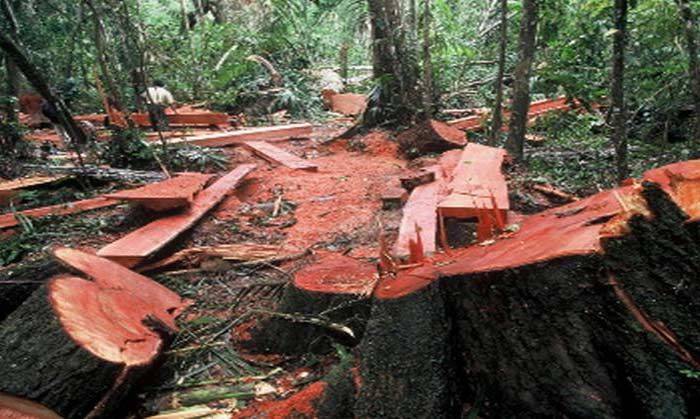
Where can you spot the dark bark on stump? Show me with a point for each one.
(18, 282)
(406, 359)
(40, 362)
(279, 335)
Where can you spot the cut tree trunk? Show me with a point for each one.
(335, 292)
(587, 311)
(64, 350)
(430, 137)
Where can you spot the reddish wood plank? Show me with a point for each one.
(173, 193)
(138, 245)
(277, 155)
(420, 218)
(185, 119)
(12, 185)
(469, 123)
(9, 220)
(478, 189)
(276, 133)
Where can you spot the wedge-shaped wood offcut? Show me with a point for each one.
(277, 155)
(478, 189)
(173, 193)
(11, 220)
(138, 245)
(276, 133)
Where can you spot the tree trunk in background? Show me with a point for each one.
(693, 67)
(427, 63)
(617, 90)
(497, 121)
(34, 76)
(12, 72)
(343, 60)
(393, 66)
(521, 88)
(102, 55)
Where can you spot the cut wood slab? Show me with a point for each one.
(185, 119)
(177, 192)
(478, 189)
(138, 245)
(10, 220)
(276, 155)
(419, 223)
(276, 133)
(10, 188)
(348, 104)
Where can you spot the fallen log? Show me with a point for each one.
(276, 155)
(348, 104)
(101, 173)
(177, 192)
(135, 247)
(430, 137)
(275, 133)
(12, 219)
(334, 290)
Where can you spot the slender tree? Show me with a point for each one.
(521, 87)
(693, 67)
(617, 89)
(427, 62)
(497, 121)
(12, 72)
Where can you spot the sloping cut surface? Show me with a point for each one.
(106, 322)
(138, 245)
(337, 274)
(173, 193)
(276, 133)
(9, 220)
(276, 155)
(167, 305)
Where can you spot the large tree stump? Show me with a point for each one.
(335, 289)
(77, 347)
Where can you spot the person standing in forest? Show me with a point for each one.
(157, 99)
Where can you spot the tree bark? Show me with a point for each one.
(393, 65)
(521, 87)
(693, 67)
(34, 76)
(497, 121)
(427, 63)
(617, 90)
(102, 55)
(12, 72)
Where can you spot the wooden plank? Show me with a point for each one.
(138, 245)
(169, 194)
(420, 218)
(12, 185)
(478, 188)
(276, 133)
(185, 119)
(277, 155)
(9, 220)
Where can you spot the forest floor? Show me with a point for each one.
(336, 209)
